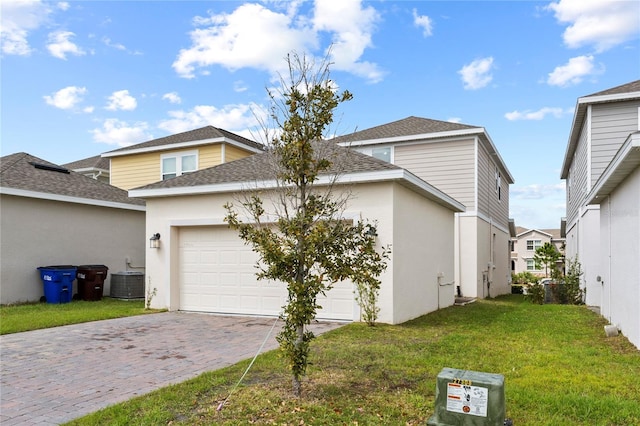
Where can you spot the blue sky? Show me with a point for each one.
(84, 77)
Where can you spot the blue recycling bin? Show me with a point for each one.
(58, 282)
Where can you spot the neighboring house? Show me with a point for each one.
(463, 162)
(52, 216)
(95, 167)
(202, 265)
(174, 155)
(525, 244)
(601, 169)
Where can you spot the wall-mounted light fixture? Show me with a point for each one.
(154, 241)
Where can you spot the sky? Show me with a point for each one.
(79, 78)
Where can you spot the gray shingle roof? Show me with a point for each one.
(95, 162)
(260, 167)
(406, 127)
(17, 171)
(634, 86)
(203, 133)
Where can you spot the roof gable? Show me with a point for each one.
(26, 175)
(412, 129)
(259, 171)
(207, 134)
(409, 126)
(95, 162)
(622, 93)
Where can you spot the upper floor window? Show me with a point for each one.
(498, 184)
(533, 244)
(177, 164)
(381, 153)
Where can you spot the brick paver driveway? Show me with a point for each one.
(55, 375)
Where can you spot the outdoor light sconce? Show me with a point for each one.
(154, 241)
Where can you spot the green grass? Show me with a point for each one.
(559, 369)
(34, 316)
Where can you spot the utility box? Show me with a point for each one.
(469, 398)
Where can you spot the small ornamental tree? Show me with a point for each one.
(304, 241)
(547, 255)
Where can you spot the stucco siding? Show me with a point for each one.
(423, 252)
(42, 233)
(620, 251)
(611, 124)
(449, 166)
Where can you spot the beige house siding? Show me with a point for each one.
(578, 182)
(449, 166)
(208, 155)
(611, 124)
(232, 153)
(135, 170)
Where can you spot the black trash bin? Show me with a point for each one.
(91, 280)
(58, 283)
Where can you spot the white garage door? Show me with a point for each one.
(217, 274)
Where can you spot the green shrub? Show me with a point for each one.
(535, 293)
(574, 295)
(524, 278)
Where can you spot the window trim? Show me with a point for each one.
(178, 157)
(533, 244)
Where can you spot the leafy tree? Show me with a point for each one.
(547, 255)
(311, 246)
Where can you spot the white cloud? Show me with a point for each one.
(477, 74)
(66, 98)
(536, 191)
(63, 5)
(239, 86)
(237, 39)
(120, 133)
(172, 97)
(59, 45)
(118, 46)
(424, 22)
(603, 24)
(537, 115)
(229, 117)
(454, 120)
(17, 19)
(121, 100)
(352, 26)
(573, 72)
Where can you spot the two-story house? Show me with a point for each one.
(463, 162)
(174, 155)
(525, 244)
(602, 174)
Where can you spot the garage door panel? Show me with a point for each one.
(217, 273)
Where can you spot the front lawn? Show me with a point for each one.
(33, 316)
(559, 369)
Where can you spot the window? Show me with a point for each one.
(381, 153)
(533, 244)
(532, 265)
(498, 177)
(178, 164)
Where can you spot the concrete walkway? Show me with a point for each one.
(55, 375)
